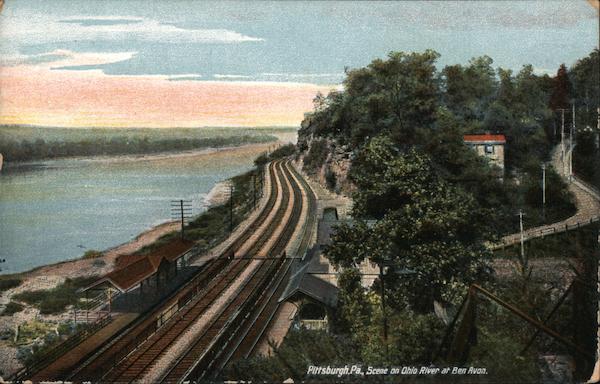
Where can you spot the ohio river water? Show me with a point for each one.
(56, 210)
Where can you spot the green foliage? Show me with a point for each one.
(585, 77)
(413, 338)
(578, 243)
(316, 156)
(499, 352)
(91, 254)
(279, 153)
(283, 151)
(396, 95)
(330, 179)
(559, 201)
(469, 90)
(563, 90)
(432, 111)
(8, 283)
(212, 226)
(12, 308)
(300, 349)
(586, 157)
(56, 300)
(51, 336)
(423, 223)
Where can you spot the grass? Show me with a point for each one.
(30, 331)
(91, 254)
(55, 300)
(12, 308)
(8, 283)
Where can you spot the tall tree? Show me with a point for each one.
(422, 223)
(562, 91)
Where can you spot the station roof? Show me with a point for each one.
(311, 286)
(484, 139)
(130, 270)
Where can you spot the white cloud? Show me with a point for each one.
(218, 76)
(39, 29)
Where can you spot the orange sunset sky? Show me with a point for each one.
(43, 95)
(116, 63)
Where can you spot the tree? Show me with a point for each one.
(422, 223)
(468, 91)
(562, 91)
(585, 75)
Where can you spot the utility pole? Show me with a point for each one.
(181, 210)
(562, 138)
(596, 373)
(598, 129)
(254, 190)
(571, 145)
(230, 208)
(522, 239)
(544, 192)
(383, 311)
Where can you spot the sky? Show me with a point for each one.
(124, 63)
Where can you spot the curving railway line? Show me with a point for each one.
(224, 308)
(213, 349)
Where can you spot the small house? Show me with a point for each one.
(488, 146)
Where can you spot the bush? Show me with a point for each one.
(6, 284)
(283, 151)
(12, 308)
(55, 300)
(92, 254)
(316, 156)
(330, 179)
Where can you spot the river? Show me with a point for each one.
(56, 210)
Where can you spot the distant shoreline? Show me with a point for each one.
(132, 157)
(30, 150)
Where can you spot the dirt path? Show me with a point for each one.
(587, 202)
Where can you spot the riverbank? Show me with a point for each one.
(51, 276)
(54, 276)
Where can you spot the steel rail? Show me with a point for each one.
(95, 366)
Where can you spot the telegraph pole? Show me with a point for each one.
(544, 192)
(254, 190)
(522, 239)
(571, 145)
(596, 373)
(181, 210)
(230, 208)
(385, 325)
(562, 138)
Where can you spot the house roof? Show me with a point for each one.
(486, 138)
(311, 286)
(132, 269)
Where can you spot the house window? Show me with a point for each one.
(489, 149)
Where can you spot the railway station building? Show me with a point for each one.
(138, 280)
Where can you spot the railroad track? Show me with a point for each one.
(211, 351)
(254, 332)
(137, 364)
(94, 367)
(258, 331)
(133, 355)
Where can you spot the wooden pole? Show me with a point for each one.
(182, 218)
